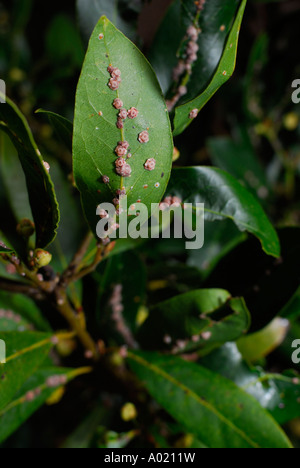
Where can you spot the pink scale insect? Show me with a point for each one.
(144, 137)
(194, 114)
(133, 113)
(118, 103)
(124, 144)
(120, 162)
(121, 193)
(113, 84)
(120, 124)
(124, 171)
(150, 164)
(121, 151)
(123, 114)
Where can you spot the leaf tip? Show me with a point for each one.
(104, 20)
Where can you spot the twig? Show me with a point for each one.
(91, 268)
(20, 288)
(56, 291)
(63, 306)
(77, 260)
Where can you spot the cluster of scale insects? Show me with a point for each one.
(122, 150)
(185, 64)
(180, 345)
(16, 318)
(53, 381)
(122, 166)
(116, 304)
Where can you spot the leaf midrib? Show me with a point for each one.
(70, 375)
(33, 347)
(196, 397)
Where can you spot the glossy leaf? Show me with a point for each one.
(292, 309)
(13, 179)
(120, 246)
(25, 308)
(115, 272)
(114, 440)
(40, 187)
(215, 22)
(33, 394)
(223, 73)
(10, 321)
(277, 393)
(8, 221)
(262, 343)
(83, 435)
(72, 227)
(210, 315)
(225, 198)
(5, 249)
(206, 404)
(25, 352)
(220, 238)
(62, 127)
(240, 160)
(96, 136)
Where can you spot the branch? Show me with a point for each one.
(63, 306)
(74, 266)
(91, 268)
(71, 275)
(20, 288)
(56, 291)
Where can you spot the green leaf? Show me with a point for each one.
(209, 314)
(4, 248)
(114, 440)
(96, 136)
(277, 393)
(161, 274)
(62, 127)
(169, 46)
(115, 272)
(10, 321)
(259, 345)
(220, 238)
(42, 199)
(240, 160)
(83, 435)
(13, 179)
(207, 405)
(223, 73)
(120, 246)
(26, 308)
(33, 394)
(252, 93)
(72, 227)
(25, 352)
(8, 222)
(292, 309)
(225, 198)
